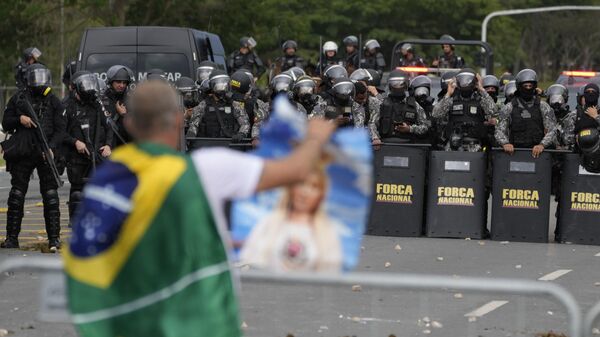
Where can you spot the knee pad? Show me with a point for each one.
(16, 198)
(76, 197)
(50, 198)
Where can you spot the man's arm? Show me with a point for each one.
(549, 125)
(423, 123)
(10, 120)
(242, 118)
(358, 112)
(441, 109)
(197, 114)
(501, 131)
(488, 105)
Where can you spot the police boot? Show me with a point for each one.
(74, 201)
(52, 218)
(14, 216)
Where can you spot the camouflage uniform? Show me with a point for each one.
(566, 129)
(358, 113)
(503, 127)
(239, 112)
(420, 128)
(261, 114)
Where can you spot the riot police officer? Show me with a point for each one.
(526, 121)
(331, 73)
(256, 109)
(448, 59)
(246, 58)
(504, 79)
(491, 84)
(400, 119)
(351, 60)
(118, 80)
(420, 88)
(584, 117)
(372, 57)
(557, 96)
(304, 94)
(340, 105)
(367, 96)
(23, 152)
(88, 137)
(202, 74)
(289, 58)
(190, 95)
(329, 57)
(30, 56)
(409, 58)
(218, 116)
(510, 89)
(465, 113)
(445, 79)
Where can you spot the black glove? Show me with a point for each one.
(237, 138)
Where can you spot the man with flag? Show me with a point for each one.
(149, 251)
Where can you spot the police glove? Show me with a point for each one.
(237, 138)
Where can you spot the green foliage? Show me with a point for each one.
(548, 42)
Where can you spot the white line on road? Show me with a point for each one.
(486, 309)
(555, 274)
(597, 254)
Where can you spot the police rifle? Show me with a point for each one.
(110, 121)
(46, 150)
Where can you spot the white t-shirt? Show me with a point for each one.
(226, 174)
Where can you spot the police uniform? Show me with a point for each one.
(109, 100)
(525, 124)
(249, 61)
(332, 110)
(395, 110)
(451, 61)
(327, 61)
(214, 118)
(376, 62)
(286, 62)
(351, 62)
(466, 115)
(416, 61)
(314, 105)
(574, 122)
(96, 135)
(23, 155)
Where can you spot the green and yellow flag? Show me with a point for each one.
(146, 257)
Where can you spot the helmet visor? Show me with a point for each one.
(344, 89)
(39, 78)
(422, 91)
(465, 80)
(556, 99)
(203, 73)
(281, 83)
(398, 82)
(220, 84)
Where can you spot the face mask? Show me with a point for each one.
(591, 98)
(466, 92)
(527, 94)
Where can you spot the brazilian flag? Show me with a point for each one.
(146, 257)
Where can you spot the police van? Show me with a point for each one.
(175, 50)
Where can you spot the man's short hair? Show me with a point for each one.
(151, 108)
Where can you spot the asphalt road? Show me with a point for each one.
(302, 310)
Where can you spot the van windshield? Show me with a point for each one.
(174, 65)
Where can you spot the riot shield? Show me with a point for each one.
(521, 196)
(456, 194)
(579, 220)
(397, 208)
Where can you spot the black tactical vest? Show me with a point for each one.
(466, 117)
(527, 124)
(395, 111)
(218, 120)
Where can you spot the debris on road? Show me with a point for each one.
(356, 288)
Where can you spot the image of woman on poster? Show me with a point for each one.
(298, 235)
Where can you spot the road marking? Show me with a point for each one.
(554, 275)
(597, 254)
(486, 309)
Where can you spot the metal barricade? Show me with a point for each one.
(397, 208)
(203, 142)
(378, 280)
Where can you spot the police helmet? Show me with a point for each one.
(289, 44)
(304, 86)
(557, 94)
(156, 74)
(86, 85)
(510, 89)
(525, 76)
(334, 71)
(31, 52)
(448, 39)
(398, 80)
(361, 74)
(343, 89)
(375, 78)
(248, 42)
(219, 82)
(588, 141)
(351, 40)
(68, 73)
(505, 78)
(295, 72)
(188, 89)
(445, 78)
(281, 83)
(490, 81)
(38, 76)
(466, 79)
(371, 44)
(408, 48)
(241, 83)
(204, 69)
(119, 73)
(330, 46)
(421, 86)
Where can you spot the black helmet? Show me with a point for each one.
(333, 72)
(248, 42)
(38, 76)
(398, 81)
(204, 69)
(119, 73)
(241, 83)
(526, 75)
(350, 40)
(588, 140)
(361, 74)
(510, 89)
(289, 44)
(490, 81)
(219, 82)
(420, 86)
(86, 85)
(557, 94)
(31, 52)
(295, 72)
(304, 86)
(375, 78)
(343, 89)
(466, 80)
(156, 74)
(448, 39)
(189, 91)
(68, 73)
(281, 83)
(445, 78)
(371, 44)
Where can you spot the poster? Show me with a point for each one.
(312, 226)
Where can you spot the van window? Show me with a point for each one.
(99, 63)
(175, 65)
